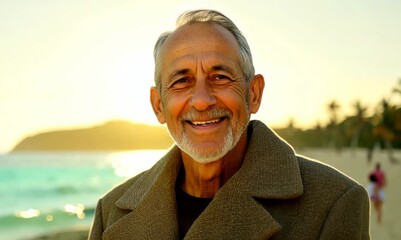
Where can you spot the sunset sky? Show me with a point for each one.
(75, 63)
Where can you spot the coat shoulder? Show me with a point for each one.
(338, 200)
(325, 178)
(329, 196)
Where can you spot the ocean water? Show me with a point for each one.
(44, 192)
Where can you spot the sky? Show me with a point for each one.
(78, 63)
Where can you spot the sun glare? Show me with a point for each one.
(78, 210)
(131, 163)
(30, 213)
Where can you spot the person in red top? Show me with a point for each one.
(380, 176)
(377, 196)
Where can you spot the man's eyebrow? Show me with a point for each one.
(223, 68)
(178, 72)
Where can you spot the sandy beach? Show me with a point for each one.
(354, 164)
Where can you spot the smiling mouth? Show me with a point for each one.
(205, 123)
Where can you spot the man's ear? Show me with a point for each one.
(155, 100)
(256, 87)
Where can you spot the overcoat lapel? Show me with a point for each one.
(270, 170)
(152, 202)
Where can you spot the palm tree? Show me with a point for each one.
(333, 107)
(332, 127)
(386, 126)
(397, 89)
(358, 123)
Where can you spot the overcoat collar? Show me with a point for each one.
(270, 170)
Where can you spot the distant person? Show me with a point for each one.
(376, 190)
(227, 177)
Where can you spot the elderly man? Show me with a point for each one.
(227, 177)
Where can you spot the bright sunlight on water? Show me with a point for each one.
(124, 166)
(44, 192)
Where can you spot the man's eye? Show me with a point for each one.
(221, 79)
(181, 83)
(182, 80)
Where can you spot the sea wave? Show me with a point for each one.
(42, 192)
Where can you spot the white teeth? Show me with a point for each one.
(206, 122)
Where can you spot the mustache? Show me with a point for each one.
(195, 114)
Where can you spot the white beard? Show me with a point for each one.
(207, 156)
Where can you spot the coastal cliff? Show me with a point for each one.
(110, 136)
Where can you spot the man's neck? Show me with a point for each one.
(205, 179)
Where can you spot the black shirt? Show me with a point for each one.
(188, 209)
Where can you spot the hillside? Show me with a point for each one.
(111, 136)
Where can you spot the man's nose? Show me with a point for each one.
(202, 96)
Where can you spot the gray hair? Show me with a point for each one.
(208, 16)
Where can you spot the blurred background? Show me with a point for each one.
(75, 117)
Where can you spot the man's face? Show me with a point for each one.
(203, 97)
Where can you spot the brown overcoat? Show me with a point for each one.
(276, 194)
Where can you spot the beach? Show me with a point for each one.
(351, 162)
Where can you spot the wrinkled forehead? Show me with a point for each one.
(200, 37)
